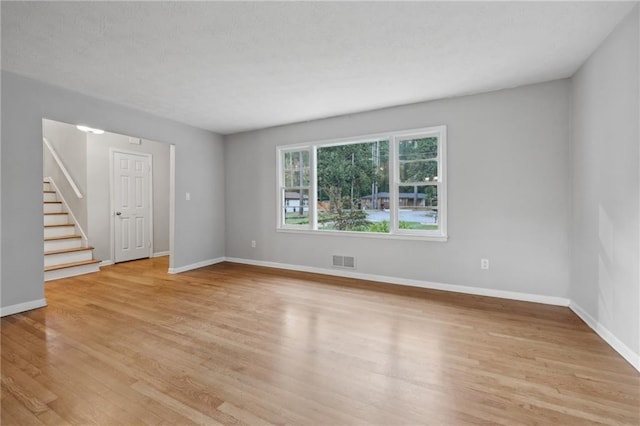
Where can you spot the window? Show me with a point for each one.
(349, 178)
(294, 191)
(386, 185)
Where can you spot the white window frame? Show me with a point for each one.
(281, 187)
(394, 139)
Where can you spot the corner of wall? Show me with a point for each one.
(600, 104)
(625, 351)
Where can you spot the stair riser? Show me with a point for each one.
(71, 272)
(59, 231)
(47, 187)
(53, 208)
(56, 219)
(49, 197)
(62, 244)
(60, 258)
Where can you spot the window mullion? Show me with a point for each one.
(313, 196)
(442, 180)
(393, 185)
(280, 188)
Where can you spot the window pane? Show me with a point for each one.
(296, 168)
(418, 149)
(418, 207)
(419, 171)
(291, 178)
(296, 206)
(353, 184)
(418, 159)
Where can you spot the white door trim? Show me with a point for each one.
(112, 152)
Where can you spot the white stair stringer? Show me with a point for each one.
(65, 247)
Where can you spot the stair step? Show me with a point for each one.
(59, 230)
(63, 237)
(67, 255)
(69, 250)
(71, 265)
(50, 207)
(56, 218)
(49, 197)
(48, 191)
(62, 242)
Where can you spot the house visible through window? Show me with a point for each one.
(392, 184)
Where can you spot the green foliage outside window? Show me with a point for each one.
(346, 174)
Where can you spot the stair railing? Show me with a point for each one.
(55, 156)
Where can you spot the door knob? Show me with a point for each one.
(118, 213)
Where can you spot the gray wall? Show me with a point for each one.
(199, 223)
(509, 196)
(605, 235)
(98, 182)
(71, 146)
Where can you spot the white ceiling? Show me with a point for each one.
(230, 67)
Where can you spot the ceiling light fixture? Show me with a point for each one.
(90, 130)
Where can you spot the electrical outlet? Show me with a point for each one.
(253, 243)
(484, 263)
(187, 196)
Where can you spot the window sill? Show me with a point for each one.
(378, 235)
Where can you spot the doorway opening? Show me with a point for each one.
(95, 175)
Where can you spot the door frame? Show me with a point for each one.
(112, 214)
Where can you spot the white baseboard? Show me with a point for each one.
(196, 265)
(161, 254)
(626, 352)
(21, 307)
(526, 297)
(106, 263)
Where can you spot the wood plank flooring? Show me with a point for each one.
(234, 344)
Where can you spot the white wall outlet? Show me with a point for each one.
(253, 243)
(187, 196)
(484, 263)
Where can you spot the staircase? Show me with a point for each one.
(65, 251)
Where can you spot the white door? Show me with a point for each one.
(132, 207)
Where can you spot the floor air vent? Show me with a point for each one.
(344, 261)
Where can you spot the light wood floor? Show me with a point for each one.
(234, 344)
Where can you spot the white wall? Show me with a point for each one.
(199, 223)
(71, 146)
(605, 152)
(509, 198)
(98, 182)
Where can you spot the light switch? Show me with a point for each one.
(187, 196)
